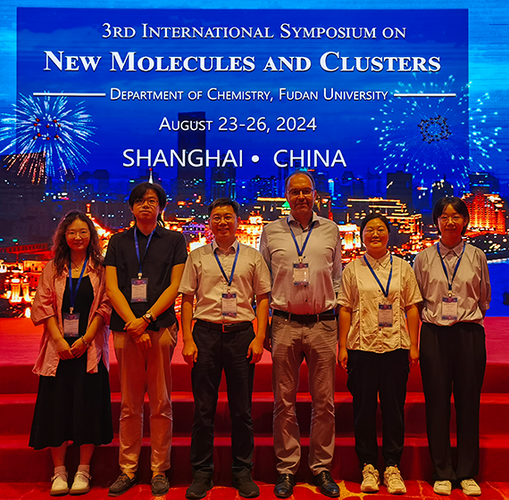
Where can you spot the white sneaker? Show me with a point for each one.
(81, 483)
(59, 484)
(393, 481)
(370, 479)
(442, 487)
(470, 487)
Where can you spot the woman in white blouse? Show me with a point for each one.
(455, 285)
(378, 330)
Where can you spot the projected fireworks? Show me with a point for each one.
(436, 137)
(47, 125)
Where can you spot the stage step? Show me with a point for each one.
(28, 465)
(17, 412)
(18, 387)
(19, 379)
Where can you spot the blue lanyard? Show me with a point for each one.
(455, 269)
(72, 292)
(230, 279)
(300, 251)
(140, 262)
(384, 291)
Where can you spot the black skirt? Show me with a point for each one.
(73, 406)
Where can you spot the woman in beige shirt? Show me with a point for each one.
(378, 329)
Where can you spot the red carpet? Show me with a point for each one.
(416, 490)
(25, 473)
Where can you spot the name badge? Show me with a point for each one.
(385, 315)
(450, 308)
(71, 325)
(300, 273)
(139, 289)
(229, 305)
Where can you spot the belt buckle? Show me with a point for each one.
(227, 327)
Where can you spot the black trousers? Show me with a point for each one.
(371, 374)
(218, 351)
(453, 360)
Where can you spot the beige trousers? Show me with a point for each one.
(141, 372)
(293, 342)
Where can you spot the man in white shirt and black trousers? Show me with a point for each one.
(225, 276)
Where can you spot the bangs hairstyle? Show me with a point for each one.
(224, 202)
(457, 203)
(140, 191)
(61, 250)
(372, 216)
(300, 172)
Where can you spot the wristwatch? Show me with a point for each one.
(149, 317)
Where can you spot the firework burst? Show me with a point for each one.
(51, 127)
(435, 137)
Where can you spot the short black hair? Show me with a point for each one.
(457, 203)
(224, 202)
(375, 215)
(303, 172)
(140, 190)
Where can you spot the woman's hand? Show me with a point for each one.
(63, 349)
(413, 356)
(78, 348)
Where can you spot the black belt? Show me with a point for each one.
(225, 327)
(306, 318)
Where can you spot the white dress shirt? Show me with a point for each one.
(203, 277)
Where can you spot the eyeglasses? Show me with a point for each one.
(294, 193)
(74, 234)
(370, 231)
(227, 218)
(446, 218)
(151, 202)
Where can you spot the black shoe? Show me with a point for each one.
(202, 482)
(284, 485)
(327, 485)
(243, 482)
(122, 484)
(160, 485)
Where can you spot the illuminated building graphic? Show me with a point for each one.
(408, 234)
(272, 208)
(440, 189)
(486, 212)
(399, 187)
(191, 183)
(350, 238)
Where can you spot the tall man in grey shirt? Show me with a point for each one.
(303, 252)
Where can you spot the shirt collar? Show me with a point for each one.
(233, 248)
(157, 231)
(457, 250)
(314, 219)
(383, 262)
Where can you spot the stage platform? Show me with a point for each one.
(18, 386)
